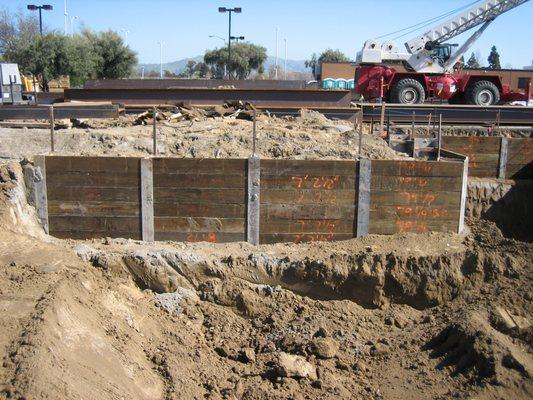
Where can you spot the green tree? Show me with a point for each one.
(189, 68)
(113, 59)
(245, 58)
(312, 64)
(201, 69)
(327, 55)
(17, 32)
(472, 62)
(494, 59)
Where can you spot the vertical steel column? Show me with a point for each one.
(52, 127)
(147, 199)
(363, 202)
(41, 197)
(253, 203)
(464, 193)
(154, 133)
(502, 166)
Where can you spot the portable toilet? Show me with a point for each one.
(328, 83)
(10, 84)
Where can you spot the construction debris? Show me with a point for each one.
(233, 110)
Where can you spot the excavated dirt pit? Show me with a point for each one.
(432, 316)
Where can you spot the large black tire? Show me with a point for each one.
(483, 93)
(408, 91)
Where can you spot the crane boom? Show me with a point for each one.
(421, 51)
(481, 13)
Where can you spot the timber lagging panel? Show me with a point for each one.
(415, 196)
(200, 199)
(304, 201)
(483, 153)
(91, 197)
(519, 159)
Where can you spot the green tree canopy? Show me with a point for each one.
(328, 55)
(494, 58)
(472, 62)
(245, 58)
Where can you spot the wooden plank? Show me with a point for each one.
(307, 226)
(41, 191)
(93, 235)
(199, 224)
(307, 167)
(471, 144)
(199, 166)
(253, 200)
(213, 237)
(94, 224)
(306, 181)
(85, 164)
(199, 181)
(96, 194)
(200, 196)
(407, 198)
(364, 197)
(147, 200)
(387, 227)
(417, 212)
(93, 208)
(520, 171)
(93, 179)
(305, 196)
(521, 144)
(306, 211)
(200, 210)
(301, 238)
(409, 183)
(416, 168)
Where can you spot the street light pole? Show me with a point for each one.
(285, 62)
(126, 32)
(229, 10)
(47, 7)
(72, 19)
(66, 19)
(160, 60)
(276, 67)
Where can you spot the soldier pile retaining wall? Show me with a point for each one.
(261, 201)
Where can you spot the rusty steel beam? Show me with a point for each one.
(199, 97)
(451, 114)
(60, 112)
(176, 83)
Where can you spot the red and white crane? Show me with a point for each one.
(426, 68)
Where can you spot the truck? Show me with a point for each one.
(431, 69)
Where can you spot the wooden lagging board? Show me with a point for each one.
(92, 197)
(199, 199)
(519, 159)
(483, 153)
(303, 201)
(414, 196)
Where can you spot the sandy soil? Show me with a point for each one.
(433, 316)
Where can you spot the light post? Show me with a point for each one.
(46, 7)
(72, 19)
(126, 32)
(276, 68)
(237, 38)
(237, 10)
(66, 19)
(223, 40)
(160, 59)
(285, 62)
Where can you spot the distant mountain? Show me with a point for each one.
(179, 66)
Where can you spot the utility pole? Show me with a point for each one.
(160, 60)
(276, 65)
(285, 62)
(229, 10)
(126, 32)
(66, 19)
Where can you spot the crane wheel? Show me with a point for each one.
(483, 93)
(408, 91)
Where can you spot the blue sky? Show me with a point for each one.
(308, 26)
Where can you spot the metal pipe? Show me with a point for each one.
(439, 141)
(254, 137)
(52, 123)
